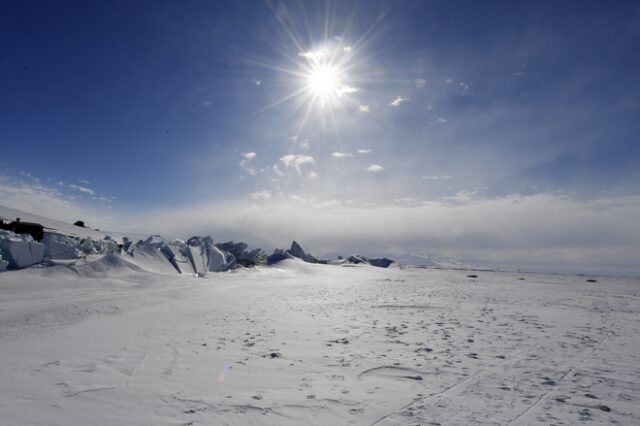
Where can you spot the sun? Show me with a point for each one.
(324, 81)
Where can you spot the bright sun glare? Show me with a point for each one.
(324, 81)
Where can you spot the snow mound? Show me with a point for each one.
(20, 250)
(106, 266)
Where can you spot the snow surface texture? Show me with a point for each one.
(107, 342)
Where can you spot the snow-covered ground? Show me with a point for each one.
(108, 343)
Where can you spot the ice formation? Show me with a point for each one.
(197, 256)
(20, 250)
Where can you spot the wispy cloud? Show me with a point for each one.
(435, 177)
(420, 82)
(296, 161)
(314, 55)
(277, 171)
(245, 163)
(261, 195)
(441, 120)
(341, 154)
(397, 101)
(82, 189)
(363, 108)
(375, 168)
(462, 196)
(347, 89)
(364, 151)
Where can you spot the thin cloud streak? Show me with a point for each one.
(397, 101)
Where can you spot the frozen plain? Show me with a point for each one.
(108, 343)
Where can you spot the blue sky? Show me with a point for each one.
(164, 114)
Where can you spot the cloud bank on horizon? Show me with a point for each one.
(502, 133)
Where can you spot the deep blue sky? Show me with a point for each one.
(151, 105)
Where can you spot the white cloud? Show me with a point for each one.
(462, 196)
(297, 198)
(363, 108)
(347, 89)
(420, 82)
(347, 49)
(397, 101)
(206, 103)
(435, 177)
(261, 195)
(314, 56)
(257, 82)
(449, 80)
(342, 154)
(103, 199)
(304, 144)
(364, 151)
(277, 170)
(296, 161)
(245, 163)
(405, 200)
(313, 175)
(375, 168)
(441, 120)
(82, 189)
(84, 181)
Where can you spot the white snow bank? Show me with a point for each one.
(20, 250)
